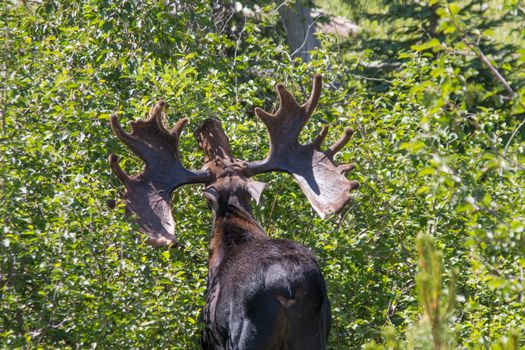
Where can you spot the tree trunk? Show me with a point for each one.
(299, 28)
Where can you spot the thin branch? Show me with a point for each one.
(515, 163)
(305, 37)
(270, 217)
(3, 111)
(279, 7)
(475, 48)
(227, 21)
(512, 136)
(342, 218)
(337, 332)
(370, 78)
(237, 44)
(495, 73)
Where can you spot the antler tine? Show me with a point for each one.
(117, 170)
(177, 129)
(128, 139)
(345, 168)
(175, 134)
(311, 104)
(316, 144)
(287, 102)
(287, 105)
(119, 131)
(290, 109)
(336, 147)
(156, 113)
(143, 130)
(264, 116)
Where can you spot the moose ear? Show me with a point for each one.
(256, 189)
(212, 197)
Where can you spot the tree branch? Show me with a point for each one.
(495, 73)
(475, 48)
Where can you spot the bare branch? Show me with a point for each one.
(495, 73)
(475, 48)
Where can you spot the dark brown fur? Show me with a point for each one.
(262, 293)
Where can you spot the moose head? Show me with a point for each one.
(148, 194)
(262, 293)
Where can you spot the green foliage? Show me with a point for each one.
(437, 303)
(435, 329)
(438, 144)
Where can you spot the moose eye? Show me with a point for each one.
(211, 195)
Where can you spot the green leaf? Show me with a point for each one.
(454, 8)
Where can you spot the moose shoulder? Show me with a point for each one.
(262, 293)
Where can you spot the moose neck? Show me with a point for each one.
(233, 222)
(233, 225)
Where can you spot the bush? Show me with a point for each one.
(75, 274)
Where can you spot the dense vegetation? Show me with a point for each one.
(439, 145)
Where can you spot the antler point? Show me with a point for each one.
(161, 241)
(113, 119)
(179, 126)
(262, 114)
(349, 132)
(321, 137)
(336, 147)
(344, 168)
(115, 166)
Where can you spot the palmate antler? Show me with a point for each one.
(319, 177)
(148, 195)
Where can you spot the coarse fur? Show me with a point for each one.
(262, 293)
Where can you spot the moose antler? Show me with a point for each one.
(319, 177)
(148, 195)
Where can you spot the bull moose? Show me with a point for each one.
(262, 293)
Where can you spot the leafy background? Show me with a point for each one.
(439, 145)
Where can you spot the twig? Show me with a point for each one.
(227, 21)
(495, 73)
(237, 44)
(370, 78)
(3, 112)
(510, 160)
(270, 218)
(475, 48)
(337, 332)
(342, 218)
(512, 136)
(333, 11)
(305, 37)
(275, 10)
